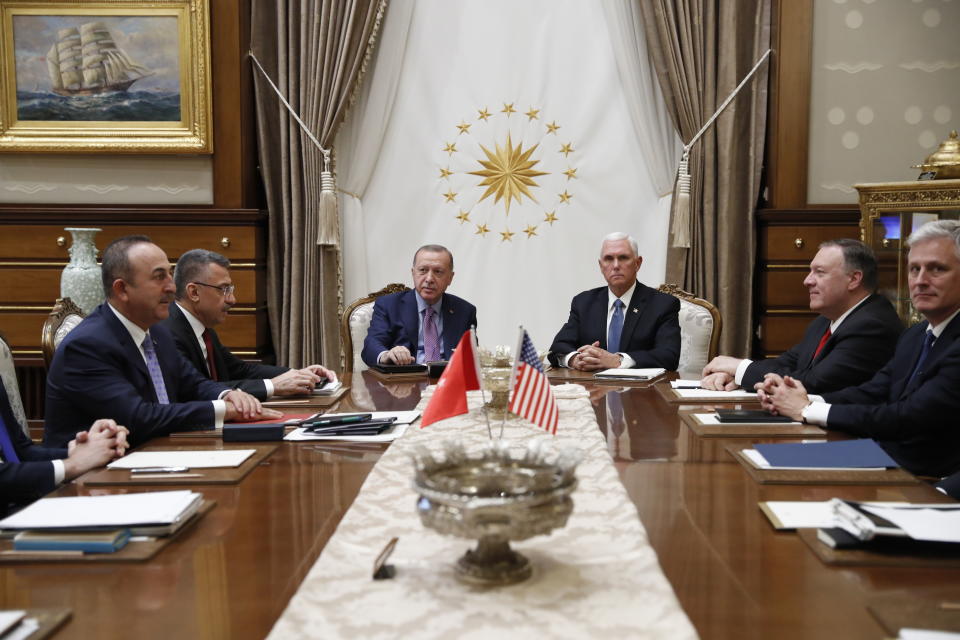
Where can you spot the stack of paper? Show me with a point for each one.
(328, 389)
(198, 459)
(792, 514)
(150, 513)
(630, 374)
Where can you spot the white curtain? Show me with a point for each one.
(547, 75)
(359, 141)
(656, 134)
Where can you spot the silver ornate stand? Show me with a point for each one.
(495, 497)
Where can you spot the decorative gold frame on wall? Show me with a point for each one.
(191, 134)
(903, 199)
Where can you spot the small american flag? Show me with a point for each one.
(532, 396)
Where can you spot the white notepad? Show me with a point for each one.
(736, 394)
(200, 459)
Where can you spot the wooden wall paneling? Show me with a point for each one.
(234, 136)
(789, 115)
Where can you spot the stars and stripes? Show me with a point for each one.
(532, 395)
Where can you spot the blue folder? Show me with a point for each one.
(851, 454)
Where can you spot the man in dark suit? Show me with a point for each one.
(28, 471)
(910, 406)
(205, 294)
(849, 341)
(424, 324)
(623, 325)
(120, 364)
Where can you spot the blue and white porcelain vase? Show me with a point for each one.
(81, 277)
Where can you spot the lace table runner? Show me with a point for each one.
(596, 577)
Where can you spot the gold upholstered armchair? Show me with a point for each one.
(63, 319)
(355, 322)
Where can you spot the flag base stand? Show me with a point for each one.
(493, 563)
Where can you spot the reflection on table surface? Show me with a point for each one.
(232, 574)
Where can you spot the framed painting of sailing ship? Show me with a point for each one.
(108, 76)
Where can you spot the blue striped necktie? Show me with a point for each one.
(616, 327)
(153, 366)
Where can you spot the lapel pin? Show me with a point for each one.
(635, 310)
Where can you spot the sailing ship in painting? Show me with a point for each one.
(86, 62)
(92, 79)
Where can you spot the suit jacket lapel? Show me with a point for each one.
(411, 319)
(450, 339)
(819, 327)
(598, 317)
(132, 351)
(940, 347)
(182, 326)
(632, 313)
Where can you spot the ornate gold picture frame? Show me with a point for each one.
(107, 76)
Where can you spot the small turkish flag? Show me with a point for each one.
(461, 375)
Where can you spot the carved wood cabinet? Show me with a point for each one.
(889, 213)
(787, 240)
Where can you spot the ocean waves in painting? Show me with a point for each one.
(118, 106)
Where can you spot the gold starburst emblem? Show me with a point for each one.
(508, 172)
(482, 188)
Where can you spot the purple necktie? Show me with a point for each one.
(6, 444)
(153, 366)
(431, 341)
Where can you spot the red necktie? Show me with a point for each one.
(210, 365)
(823, 341)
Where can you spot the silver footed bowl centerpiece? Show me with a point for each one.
(495, 497)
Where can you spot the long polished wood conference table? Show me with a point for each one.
(232, 574)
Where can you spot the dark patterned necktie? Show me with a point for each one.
(211, 366)
(924, 352)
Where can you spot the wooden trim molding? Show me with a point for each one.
(789, 117)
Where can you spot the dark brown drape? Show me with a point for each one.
(701, 49)
(315, 52)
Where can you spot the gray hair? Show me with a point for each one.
(115, 264)
(857, 257)
(434, 248)
(937, 229)
(191, 266)
(619, 235)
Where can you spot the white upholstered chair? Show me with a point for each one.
(63, 319)
(700, 325)
(355, 322)
(8, 377)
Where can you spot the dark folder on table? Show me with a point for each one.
(851, 454)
